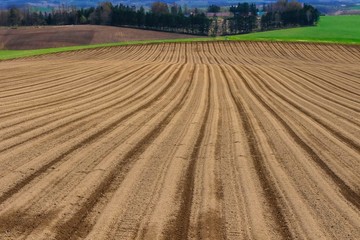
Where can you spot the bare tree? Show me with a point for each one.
(159, 8)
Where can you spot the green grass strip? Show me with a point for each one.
(331, 29)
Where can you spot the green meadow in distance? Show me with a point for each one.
(333, 29)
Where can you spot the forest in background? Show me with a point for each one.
(241, 18)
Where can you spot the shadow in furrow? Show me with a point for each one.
(10, 192)
(351, 195)
(271, 193)
(73, 226)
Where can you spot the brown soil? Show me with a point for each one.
(226, 140)
(61, 36)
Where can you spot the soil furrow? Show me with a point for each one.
(68, 229)
(180, 227)
(272, 195)
(9, 193)
(348, 193)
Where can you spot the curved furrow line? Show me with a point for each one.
(233, 57)
(19, 74)
(165, 53)
(291, 202)
(113, 53)
(156, 53)
(55, 77)
(207, 58)
(188, 53)
(184, 53)
(67, 229)
(335, 51)
(240, 48)
(324, 93)
(201, 58)
(321, 52)
(176, 54)
(207, 219)
(63, 72)
(307, 53)
(309, 195)
(279, 49)
(293, 88)
(217, 50)
(324, 143)
(350, 50)
(230, 189)
(272, 194)
(213, 58)
(90, 163)
(248, 214)
(74, 96)
(97, 116)
(279, 53)
(51, 87)
(149, 56)
(180, 228)
(350, 140)
(235, 52)
(28, 103)
(340, 81)
(67, 72)
(347, 192)
(10, 192)
(88, 97)
(125, 131)
(303, 74)
(88, 102)
(142, 54)
(230, 57)
(297, 53)
(90, 113)
(334, 202)
(171, 54)
(340, 77)
(355, 75)
(331, 83)
(141, 189)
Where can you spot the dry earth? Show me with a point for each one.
(61, 36)
(225, 140)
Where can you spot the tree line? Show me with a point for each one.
(286, 13)
(282, 14)
(244, 17)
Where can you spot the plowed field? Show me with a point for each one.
(223, 140)
(75, 35)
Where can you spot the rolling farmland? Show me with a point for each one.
(214, 140)
(26, 38)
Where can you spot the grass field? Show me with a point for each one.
(334, 29)
(331, 29)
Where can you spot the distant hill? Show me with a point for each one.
(62, 36)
